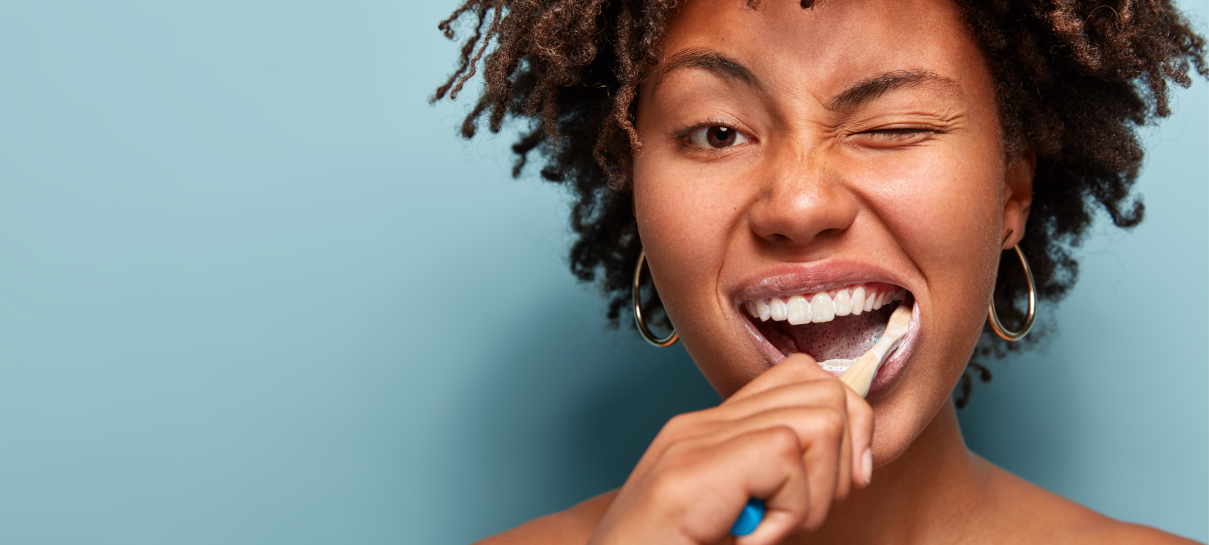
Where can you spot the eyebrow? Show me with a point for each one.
(872, 88)
(851, 98)
(710, 61)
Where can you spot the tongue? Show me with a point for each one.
(845, 337)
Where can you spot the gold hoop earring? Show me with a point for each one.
(642, 328)
(993, 317)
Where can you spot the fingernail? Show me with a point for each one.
(867, 462)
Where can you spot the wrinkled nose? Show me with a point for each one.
(804, 202)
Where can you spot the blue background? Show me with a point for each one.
(254, 290)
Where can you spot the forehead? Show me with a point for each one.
(825, 49)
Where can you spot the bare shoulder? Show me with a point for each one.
(1116, 531)
(1037, 515)
(573, 526)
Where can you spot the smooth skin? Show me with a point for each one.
(768, 158)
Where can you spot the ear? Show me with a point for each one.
(1018, 191)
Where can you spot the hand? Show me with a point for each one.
(791, 437)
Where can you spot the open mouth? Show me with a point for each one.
(834, 326)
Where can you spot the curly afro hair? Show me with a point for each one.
(1075, 81)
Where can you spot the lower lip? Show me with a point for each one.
(889, 370)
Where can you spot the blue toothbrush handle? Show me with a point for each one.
(749, 518)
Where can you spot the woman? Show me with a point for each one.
(792, 173)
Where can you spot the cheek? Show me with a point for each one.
(685, 219)
(944, 211)
(682, 217)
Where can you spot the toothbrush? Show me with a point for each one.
(859, 377)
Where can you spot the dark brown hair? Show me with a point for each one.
(1075, 80)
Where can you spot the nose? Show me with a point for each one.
(804, 202)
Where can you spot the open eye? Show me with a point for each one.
(716, 137)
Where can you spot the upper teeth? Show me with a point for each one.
(824, 306)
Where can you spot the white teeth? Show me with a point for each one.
(762, 310)
(822, 309)
(777, 309)
(843, 303)
(837, 365)
(799, 310)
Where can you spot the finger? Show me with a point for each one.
(798, 367)
(816, 393)
(822, 436)
(828, 392)
(843, 478)
(824, 464)
(826, 452)
(699, 490)
(783, 485)
(690, 426)
(824, 390)
(860, 425)
(811, 388)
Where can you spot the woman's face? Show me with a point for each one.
(848, 150)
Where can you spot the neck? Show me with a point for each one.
(927, 495)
